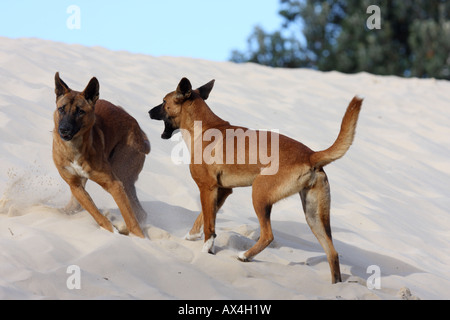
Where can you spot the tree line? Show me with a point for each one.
(405, 38)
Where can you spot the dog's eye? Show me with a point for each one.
(80, 111)
(61, 110)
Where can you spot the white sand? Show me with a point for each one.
(390, 193)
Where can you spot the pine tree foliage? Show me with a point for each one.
(413, 39)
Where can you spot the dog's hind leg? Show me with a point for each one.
(196, 231)
(316, 205)
(127, 163)
(140, 213)
(263, 209)
(263, 212)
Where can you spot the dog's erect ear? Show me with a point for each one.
(92, 91)
(61, 88)
(206, 89)
(184, 89)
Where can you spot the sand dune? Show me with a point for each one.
(390, 198)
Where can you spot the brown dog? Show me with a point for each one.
(298, 169)
(93, 139)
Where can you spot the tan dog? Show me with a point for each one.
(298, 168)
(93, 139)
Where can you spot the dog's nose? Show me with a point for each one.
(155, 113)
(65, 133)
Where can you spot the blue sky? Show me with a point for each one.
(206, 29)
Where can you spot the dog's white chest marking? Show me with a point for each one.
(77, 170)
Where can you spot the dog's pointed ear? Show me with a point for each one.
(206, 89)
(184, 89)
(61, 88)
(92, 91)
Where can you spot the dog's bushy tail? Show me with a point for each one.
(344, 140)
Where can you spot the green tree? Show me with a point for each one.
(272, 49)
(414, 38)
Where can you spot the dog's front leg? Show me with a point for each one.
(196, 231)
(108, 181)
(74, 205)
(116, 189)
(86, 202)
(208, 197)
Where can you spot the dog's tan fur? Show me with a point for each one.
(300, 171)
(109, 148)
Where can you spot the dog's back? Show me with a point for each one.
(118, 126)
(125, 147)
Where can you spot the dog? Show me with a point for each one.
(94, 139)
(300, 170)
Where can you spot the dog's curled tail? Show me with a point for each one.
(344, 140)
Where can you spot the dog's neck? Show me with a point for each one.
(195, 121)
(200, 111)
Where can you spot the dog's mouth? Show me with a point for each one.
(67, 134)
(168, 130)
(158, 114)
(67, 137)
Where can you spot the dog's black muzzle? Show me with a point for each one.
(158, 113)
(68, 129)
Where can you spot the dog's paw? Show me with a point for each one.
(193, 237)
(72, 207)
(121, 228)
(242, 257)
(118, 225)
(208, 247)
